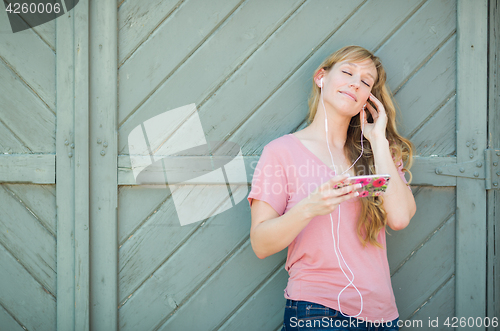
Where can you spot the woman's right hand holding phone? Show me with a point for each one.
(326, 197)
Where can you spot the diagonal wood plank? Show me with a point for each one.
(164, 50)
(265, 69)
(137, 21)
(437, 135)
(425, 271)
(435, 82)
(40, 200)
(31, 120)
(268, 303)
(431, 25)
(24, 297)
(434, 206)
(136, 204)
(33, 60)
(25, 237)
(212, 63)
(291, 95)
(186, 268)
(224, 290)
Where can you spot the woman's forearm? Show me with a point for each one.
(399, 202)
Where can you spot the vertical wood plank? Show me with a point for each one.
(493, 282)
(72, 169)
(103, 162)
(65, 202)
(472, 18)
(81, 125)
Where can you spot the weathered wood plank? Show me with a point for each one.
(431, 25)
(435, 83)
(162, 53)
(421, 275)
(472, 33)
(9, 143)
(23, 296)
(434, 207)
(135, 205)
(26, 238)
(41, 201)
(212, 62)
(138, 20)
(266, 68)
(493, 196)
(225, 289)
(31, 120)
(31, 58)
(103, 201)
(28, 168)
(186, 269)
(268, 303)
(135, 253)
(437, 135)
(8, 322)
(440, 306)
(81, 164)
(290, 98)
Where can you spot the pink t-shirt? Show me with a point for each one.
(288, 172)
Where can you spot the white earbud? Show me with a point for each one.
(321, 83)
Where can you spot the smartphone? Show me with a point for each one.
(373, 185)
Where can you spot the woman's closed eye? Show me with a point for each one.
(347, 72)
(366, 83)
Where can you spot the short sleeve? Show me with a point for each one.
(401, 173)
(269, 182)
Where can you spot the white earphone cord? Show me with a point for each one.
(335, 248)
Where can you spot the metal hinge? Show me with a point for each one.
(487, 169)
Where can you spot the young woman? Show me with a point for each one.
(339, 275)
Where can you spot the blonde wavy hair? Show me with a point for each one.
(373, 216)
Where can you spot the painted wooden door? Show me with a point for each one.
(124, 261)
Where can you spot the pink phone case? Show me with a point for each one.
(373, 185)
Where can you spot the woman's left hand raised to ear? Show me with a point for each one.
(375, 130)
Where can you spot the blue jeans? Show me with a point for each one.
(305, 315)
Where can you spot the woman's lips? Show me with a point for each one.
(350, 95)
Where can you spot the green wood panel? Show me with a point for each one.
(172, 93)
(439, 306)
(185, 268)
(493, 281)
(224, 290)
(8, 322)
(39, 200)
(267, 303)
(25, 237)
(137, 21)
(264, 71)
(102, 158)
(427, 269)
(437, 135)
(23, 296)
(164, 51)
(30, 54)
(431, 25)
(470, 298)
(25, 114)
(145, 202)
(435, 82)
(27, 168)
(434, 208)
(290, 94)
